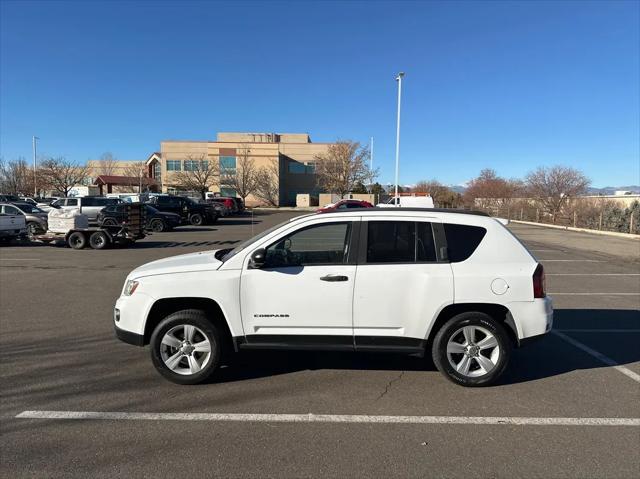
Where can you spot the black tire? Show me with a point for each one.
(157, 225)
(208, 331)
(77, 240)
(196, 219)
(453, 331)
(99, 240)
(109, 222)
(34, 228)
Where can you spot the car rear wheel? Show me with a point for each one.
(196, 219)
(158, 226)
(185, 347)
(472, 349)
(109, 222)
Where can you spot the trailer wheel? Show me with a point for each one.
(98, 240)
(77, 240)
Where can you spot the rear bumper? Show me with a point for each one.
(532, 318)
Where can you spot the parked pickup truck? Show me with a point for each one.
(457, 286)
(12, 225)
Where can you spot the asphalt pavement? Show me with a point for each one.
(568, 406)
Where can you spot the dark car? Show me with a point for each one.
(157, 221)
(191, 212)
(239, 203)
(345, 204)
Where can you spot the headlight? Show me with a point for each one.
(130, 287)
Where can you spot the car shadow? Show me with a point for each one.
(549, 356)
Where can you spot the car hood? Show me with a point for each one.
(184, 263)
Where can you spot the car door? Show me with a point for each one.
(402, 282)
(302, 296)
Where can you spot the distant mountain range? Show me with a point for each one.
(610, 190)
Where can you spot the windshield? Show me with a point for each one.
(246, 243)
(26, 208)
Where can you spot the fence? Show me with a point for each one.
(601, 215)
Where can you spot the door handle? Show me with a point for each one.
(334, 278)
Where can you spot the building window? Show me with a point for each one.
(230, 192)
(157, 172)
(228, 162)
(174, 165)
(196, 165)
(311, 167)
(297, 168)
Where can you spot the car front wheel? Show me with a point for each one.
(185, 347)
(472, 349)
(197, 219)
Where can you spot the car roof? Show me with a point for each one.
(400, 211)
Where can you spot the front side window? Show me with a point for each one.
(72, 202)
(174, 165)
(11, 210)
(400, 242)
(314, 245)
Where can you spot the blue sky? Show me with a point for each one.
(506, 85)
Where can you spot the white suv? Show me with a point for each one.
(405, 281)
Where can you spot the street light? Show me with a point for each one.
(399, 80)
(35, 186)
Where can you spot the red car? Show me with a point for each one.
(345, 204)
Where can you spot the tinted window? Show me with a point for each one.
(391, 242)
(72, 202)
(89, 201)
(320, 244)
(462, 240)
(11, 210)
(399, 242)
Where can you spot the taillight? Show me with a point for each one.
(539, 282)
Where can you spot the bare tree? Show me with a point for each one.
(552, 187)
(140, 172)
(16, 177)
(107, 164)
(343, 166)
(198, 175)
(267, 185)
(62, 175)
(489, 190)
(243, 177)
(443, 196)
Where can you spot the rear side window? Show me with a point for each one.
(399, 242)
(462, 240)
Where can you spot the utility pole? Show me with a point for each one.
(399, 80)
(35, 176)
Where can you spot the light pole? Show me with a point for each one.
(35, 176)
(399, 80)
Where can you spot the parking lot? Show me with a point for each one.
(569, 405)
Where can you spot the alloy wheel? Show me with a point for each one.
(473, 351)
(185, 349)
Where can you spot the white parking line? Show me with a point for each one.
(594, 294)
(598, 355)
(573, 260)
(592, 274)
(333, 418)
(598, 330)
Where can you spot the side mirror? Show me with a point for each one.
(257, 259)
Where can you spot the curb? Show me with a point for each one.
(581, 230)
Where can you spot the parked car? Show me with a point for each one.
(343, 205)
(191, 212)
(239, 204)
(459, 286)
(35, 217)
(28, 199)
(88, 205)
(227, 205)
(13, 223)
(408, 202)
(8, 198)
(157, 221)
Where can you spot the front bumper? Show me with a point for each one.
(129, 337)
